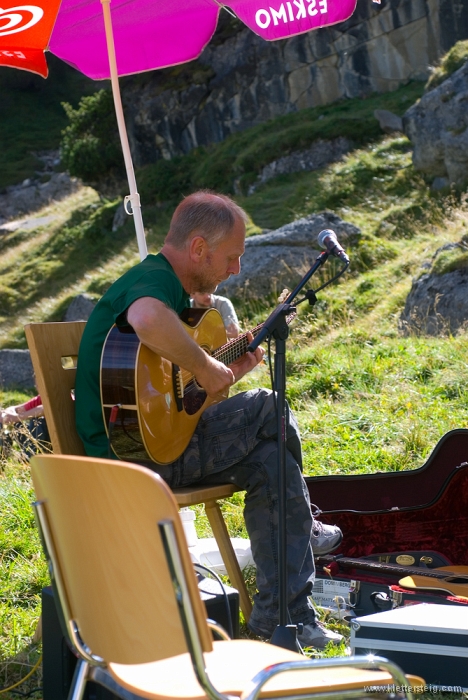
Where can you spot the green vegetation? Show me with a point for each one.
(452, 61)
(453, 259)
(366, 398)
(90, 146)
(31, 116)
(23, 574)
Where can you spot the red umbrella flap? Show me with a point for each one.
(25, 32)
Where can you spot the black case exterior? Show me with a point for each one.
(366, 598)
(430, 641)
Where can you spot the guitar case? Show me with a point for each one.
(422, 513)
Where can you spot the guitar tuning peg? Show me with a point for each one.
(283, 296)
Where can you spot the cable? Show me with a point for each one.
(113, 417)
(29, 694)
(270, 367)
(15, 685)
(196, 566)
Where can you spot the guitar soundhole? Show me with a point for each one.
(457, 579)
(194, 398)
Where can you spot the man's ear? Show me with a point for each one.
(197, 248)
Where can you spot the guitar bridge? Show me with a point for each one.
(178, 386)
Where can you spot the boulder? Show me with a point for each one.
(31, 195)
(80, 308)
(388, 122)
(120, 217)
(279, 259)
(437, 304)
(16, 370)
(437, 126)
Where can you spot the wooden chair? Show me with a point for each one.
(54, 353)
(130, 605)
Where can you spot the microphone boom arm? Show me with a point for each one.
(276, 321)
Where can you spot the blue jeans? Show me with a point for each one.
(236, 441)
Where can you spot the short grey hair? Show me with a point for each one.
(212, 214)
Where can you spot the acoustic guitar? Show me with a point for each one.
(449, 579)
(158, 404)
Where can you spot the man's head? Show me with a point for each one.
(207, 231)
(206, 213)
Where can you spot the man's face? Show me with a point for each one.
(222, 261)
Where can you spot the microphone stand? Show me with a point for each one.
(276, 326)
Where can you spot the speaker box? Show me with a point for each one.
(58, 661)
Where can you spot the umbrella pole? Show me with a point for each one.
(133, 199)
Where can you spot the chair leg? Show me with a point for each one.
(228, 555)
(37, 636)
(79, 680)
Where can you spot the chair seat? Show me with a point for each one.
(193, 495)
(231, 666)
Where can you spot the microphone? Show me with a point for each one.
(327, 239)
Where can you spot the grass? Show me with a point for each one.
(367, 399)
(23, 574)
(450, 62)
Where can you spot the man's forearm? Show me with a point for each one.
(160, 329)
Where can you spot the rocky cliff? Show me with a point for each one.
(241, 80)
(437, 126)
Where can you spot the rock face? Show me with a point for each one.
(437, 126)
(80, 308)
(31, 196)
(16, 370)
(437, 304)
(243, 81)
(279, 259)
(318, 156)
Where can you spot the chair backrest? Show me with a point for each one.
(103, 519)
(54, 352)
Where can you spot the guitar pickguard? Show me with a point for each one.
(194, 398)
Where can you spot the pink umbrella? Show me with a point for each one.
(142, 35)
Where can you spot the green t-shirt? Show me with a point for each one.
(153, 277)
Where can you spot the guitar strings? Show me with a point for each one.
(227, 354)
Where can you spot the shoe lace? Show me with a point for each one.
(317, 528)
(316, 512)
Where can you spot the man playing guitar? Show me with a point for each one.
(235, 438)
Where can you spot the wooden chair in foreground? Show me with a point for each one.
(54, 352)
(131, 607)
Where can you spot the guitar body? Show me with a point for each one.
(455, 583)
(160, 403)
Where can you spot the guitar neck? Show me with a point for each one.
(378, 567)
(230, 352)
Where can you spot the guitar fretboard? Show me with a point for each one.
(346, 563)
(237, 347)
